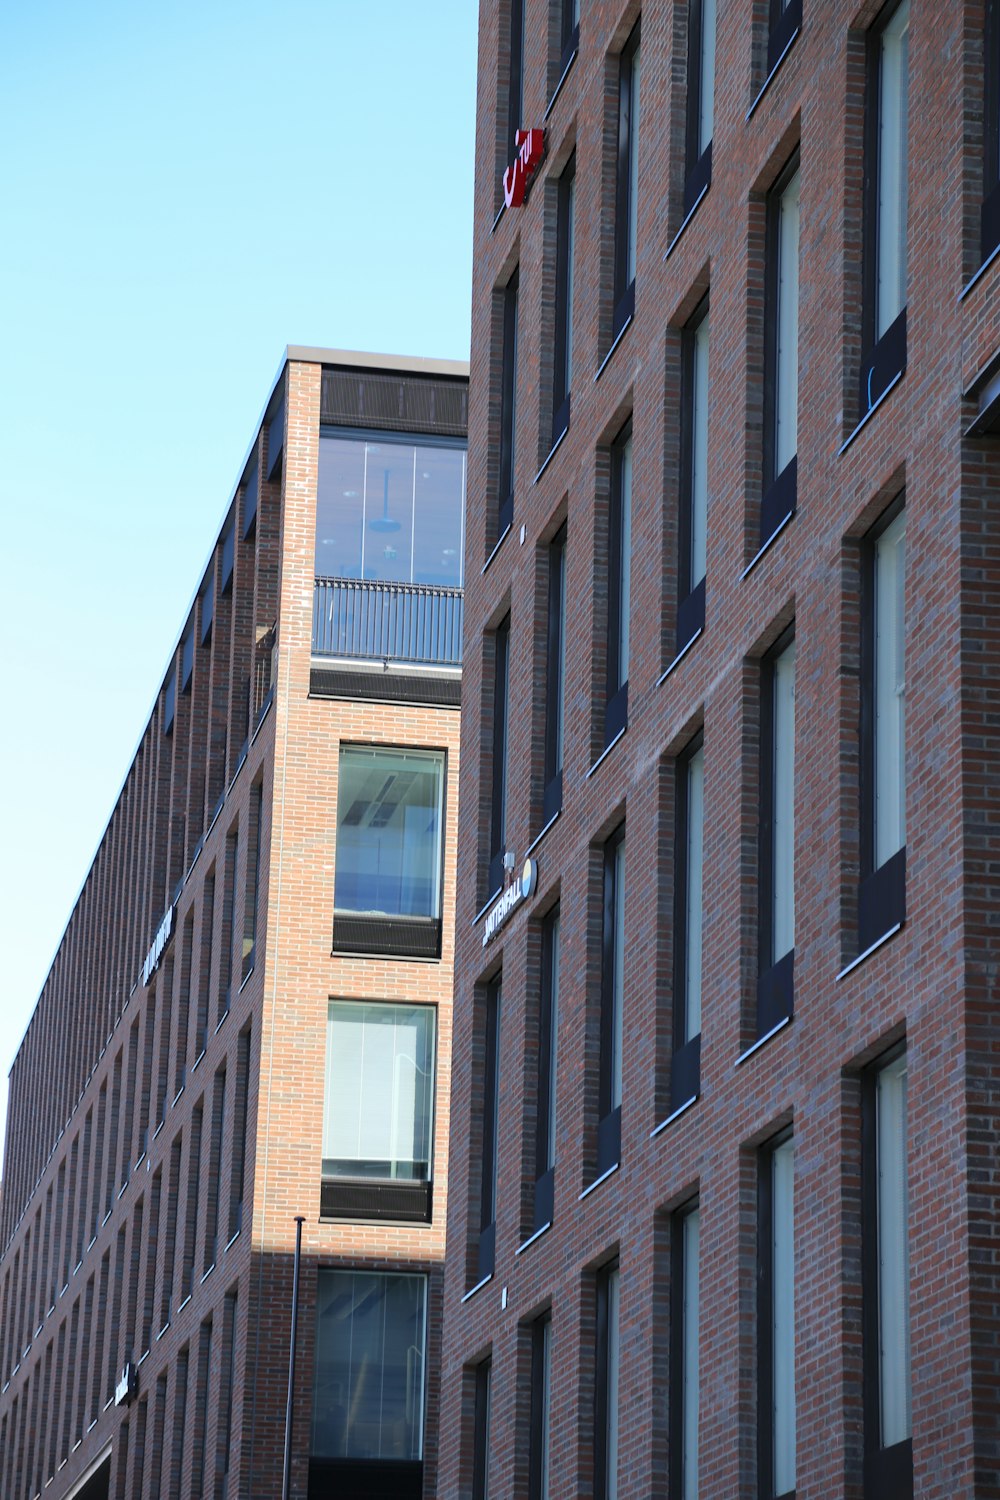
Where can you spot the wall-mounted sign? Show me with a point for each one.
(128, 1384)
(164, 933)
(520, 888)
(530, 150)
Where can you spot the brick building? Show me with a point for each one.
(248, 1018)
(724, 1111)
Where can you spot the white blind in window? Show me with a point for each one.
(379, 1080)
(893, 1253)
(706, 93)
(893, 126)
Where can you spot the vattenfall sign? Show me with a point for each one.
(530, 150)
(520, 888)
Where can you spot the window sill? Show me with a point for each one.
(668, 252)
(623, 330)
(674, 1114)
(979, 274)
(477, 1288)
(606, 751)
(767, 546)
(680, 656)
(870, 413)
(608, 1172)
(496, 546)
(533, 1237)
(762, 1041)
(539, 836)
(571, 59)
(552, 453)
(771, 76)
(872, 948)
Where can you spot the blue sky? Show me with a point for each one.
(186, 189)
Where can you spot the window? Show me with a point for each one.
(218, 1128)
(612, 994)
(776, 1320)
(887, 166)
(784, 23)
(378, 1116)
(684, 1353)
(685, 1069)
(390, 850)
(700, 101)
(886, 1283)
(508, 410)
(490, 1124)
(990, 217)
(368, 1392)
(606, 1424)
(619, 587)
(538, 1429)
(626, 185)
(555, 673)
(882, 895)
(228, 911)
(498, 759)
(569, 33)
(781, 354)
(777, 844)
(481, 1432)
(515, 76)
(251, 893)
(692, 518)
(548, 1032)
(563, 368)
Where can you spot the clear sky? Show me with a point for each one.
(184, 190)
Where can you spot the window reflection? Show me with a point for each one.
(390, 511)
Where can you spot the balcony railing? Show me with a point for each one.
(387, 621)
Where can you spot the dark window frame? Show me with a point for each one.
(499, 756)
(624, 287)
(883, 358)
(882, 889)
(780, 492)
(690, 594)
(609, 1113)
(989, 237)
(685, 1061)
(539, 1409)
(679, 1273)
(508, 407)
(569, 34)
(481, 1429)
(784, 24)
(565, 242)
(616, 691)
(489, 1156)
(765, 1317)
(555, 686)
(776, 982)
(602, 1383)
(548, 1011)
(515, 75)
(697, 164)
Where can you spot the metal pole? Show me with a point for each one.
(286, 1481)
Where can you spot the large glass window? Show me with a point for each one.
(390, 810)
(781, 385)
(776, 1321)
(777, 848)
(701, 100)
(627, 184)
(685, 1080)
(606, 1426)
(692, 518)
(619, 586)
(563, 364)
(378, 1113)
(555, 686)
(390, 510)
(612, 1002)
(368, 1393)
(886, 206)
(684, 1354)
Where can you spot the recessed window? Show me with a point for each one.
(619, 586)
(886, 1284)
(612, 998)
(378, 1114)
(489, 1129)
(498, 757)
(515, 74)
(685, 1071)
(508, 408)
(606, 1405)
(368, 1387)
(886, 205)
(390, 847)
(187, 658)
(777, 840)
(776, 1321)
(481, 1431)
(781, 354)
(541, 1401)
(569, 32)
(882, 895)
(555, 677)
(990, 216)
(700, 101)
(251, 894)
(548, 1032)
(626, 184)
(692, 528)
(685, 1339)
(784, 22)
(563, 364)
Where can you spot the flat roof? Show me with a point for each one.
(362, 358)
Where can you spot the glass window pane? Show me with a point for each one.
(619, 974)
(893, 125)
(389, 832)
(783, 1331)
(439, 509)
(611, 1487)
(570, 231)
(890, 692)
(379, 1103)
(340, 503)
(787, 342)
(690, 1340)
(368, 1393)
(783, 794)
(693, 894)
(893, 1253)
(699, 452)
(633, 171)
(706, 92)
(624, 590)
(553, 1038)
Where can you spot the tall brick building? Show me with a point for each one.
(725, 1116)
(248, 1018)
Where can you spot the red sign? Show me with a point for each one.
(530, 150)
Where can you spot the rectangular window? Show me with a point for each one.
(882, 895)
(569, 33)
(390, 851)
(237, 1180)
(378, 1116)
(515, 76)
(886, 1287)
(606, 1424)
(555, 675)
(205, 963)
(685, 1068)
(538, 1428)
(684, 1353)
(692, 527)
(781, 354)
(784, 24)
(619, 586)
(563, 366)
(201, 1406)
(490, 1096)
(700, 101)
(481, 1432)
(498, 759)
(214, 1166)
(886, 204)
(226, 936)
(612, 995)
(775, 987)
(626, 185)
(508, 410)
(776, 1321)
(368, 1391)
(252, 888)
(990, 217)
(548, 1032)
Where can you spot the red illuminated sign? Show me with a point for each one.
(530, 149)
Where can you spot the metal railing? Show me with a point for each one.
(387, 621)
